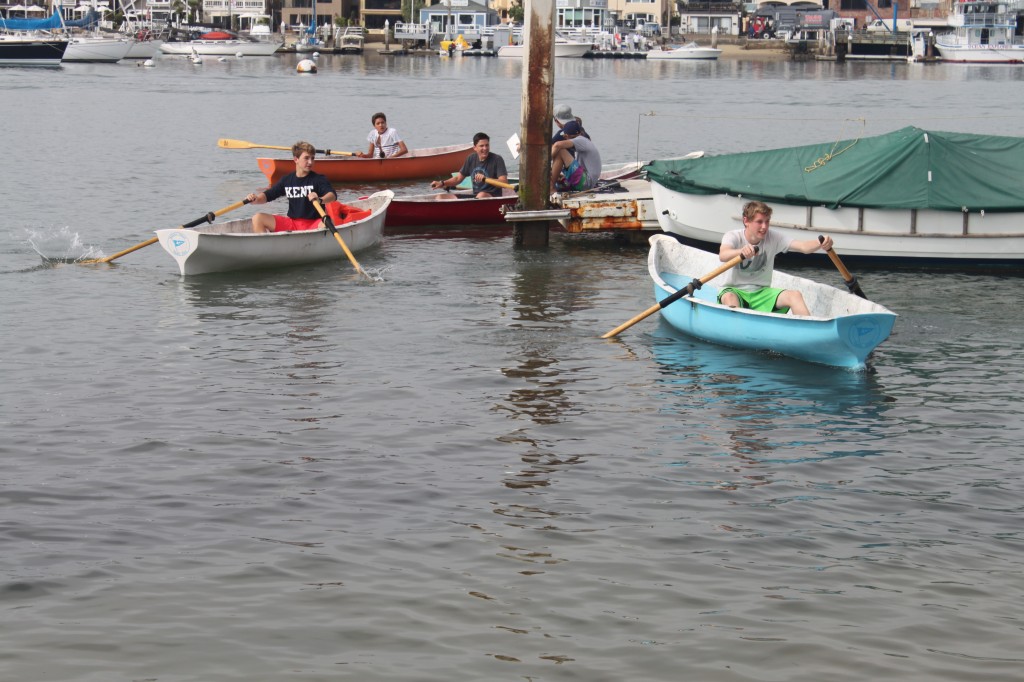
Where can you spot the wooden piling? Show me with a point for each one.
(537, 104)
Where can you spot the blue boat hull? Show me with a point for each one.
(841, 333)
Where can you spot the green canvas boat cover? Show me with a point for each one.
(906, 169)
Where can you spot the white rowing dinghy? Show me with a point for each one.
(234, 246)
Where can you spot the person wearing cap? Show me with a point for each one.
(574, 173)
(562, 115)
(481, 165)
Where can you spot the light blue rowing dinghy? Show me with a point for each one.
(841, 331)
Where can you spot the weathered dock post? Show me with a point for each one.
(538, 93)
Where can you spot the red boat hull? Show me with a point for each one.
(419, 164)
(459, 209)
(447, 209)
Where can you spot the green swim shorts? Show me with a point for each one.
(763, 299)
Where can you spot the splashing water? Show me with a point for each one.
(61, 245)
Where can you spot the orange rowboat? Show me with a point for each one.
(418, 164)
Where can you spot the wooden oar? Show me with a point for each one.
(499, 183)
(851, 281)
(227, 143)
(685, 291)
(344, 247)
(208, 218)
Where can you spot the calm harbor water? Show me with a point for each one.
(445, 474)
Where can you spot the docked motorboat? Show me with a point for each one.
(564, 47)
(983, 31)
(350, 40)
(690, 50)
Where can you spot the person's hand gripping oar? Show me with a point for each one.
(672, 298)
(851, 281)
(330, 226)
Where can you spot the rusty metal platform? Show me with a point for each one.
(631, 209)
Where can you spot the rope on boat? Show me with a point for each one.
(821, 161)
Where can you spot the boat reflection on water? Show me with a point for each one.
(766, 409)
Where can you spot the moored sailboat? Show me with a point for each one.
(220, 43)
(31, 51)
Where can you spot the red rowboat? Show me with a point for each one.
(447, 208)
(418, 164)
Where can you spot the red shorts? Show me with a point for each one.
(283, 223)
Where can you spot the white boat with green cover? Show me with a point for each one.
(911, 196)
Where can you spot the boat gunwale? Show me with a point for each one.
(780, 279)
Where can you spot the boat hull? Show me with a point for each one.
(432, 162)
(452, 209)
(97, 50)
(221, 48)
(233, 246)
(569, 49)
(31, 51)
(980, 54)
(686, 52)
(446, 208)
(895, 236)
(983, 33)
(842, 331)
(144, 49)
